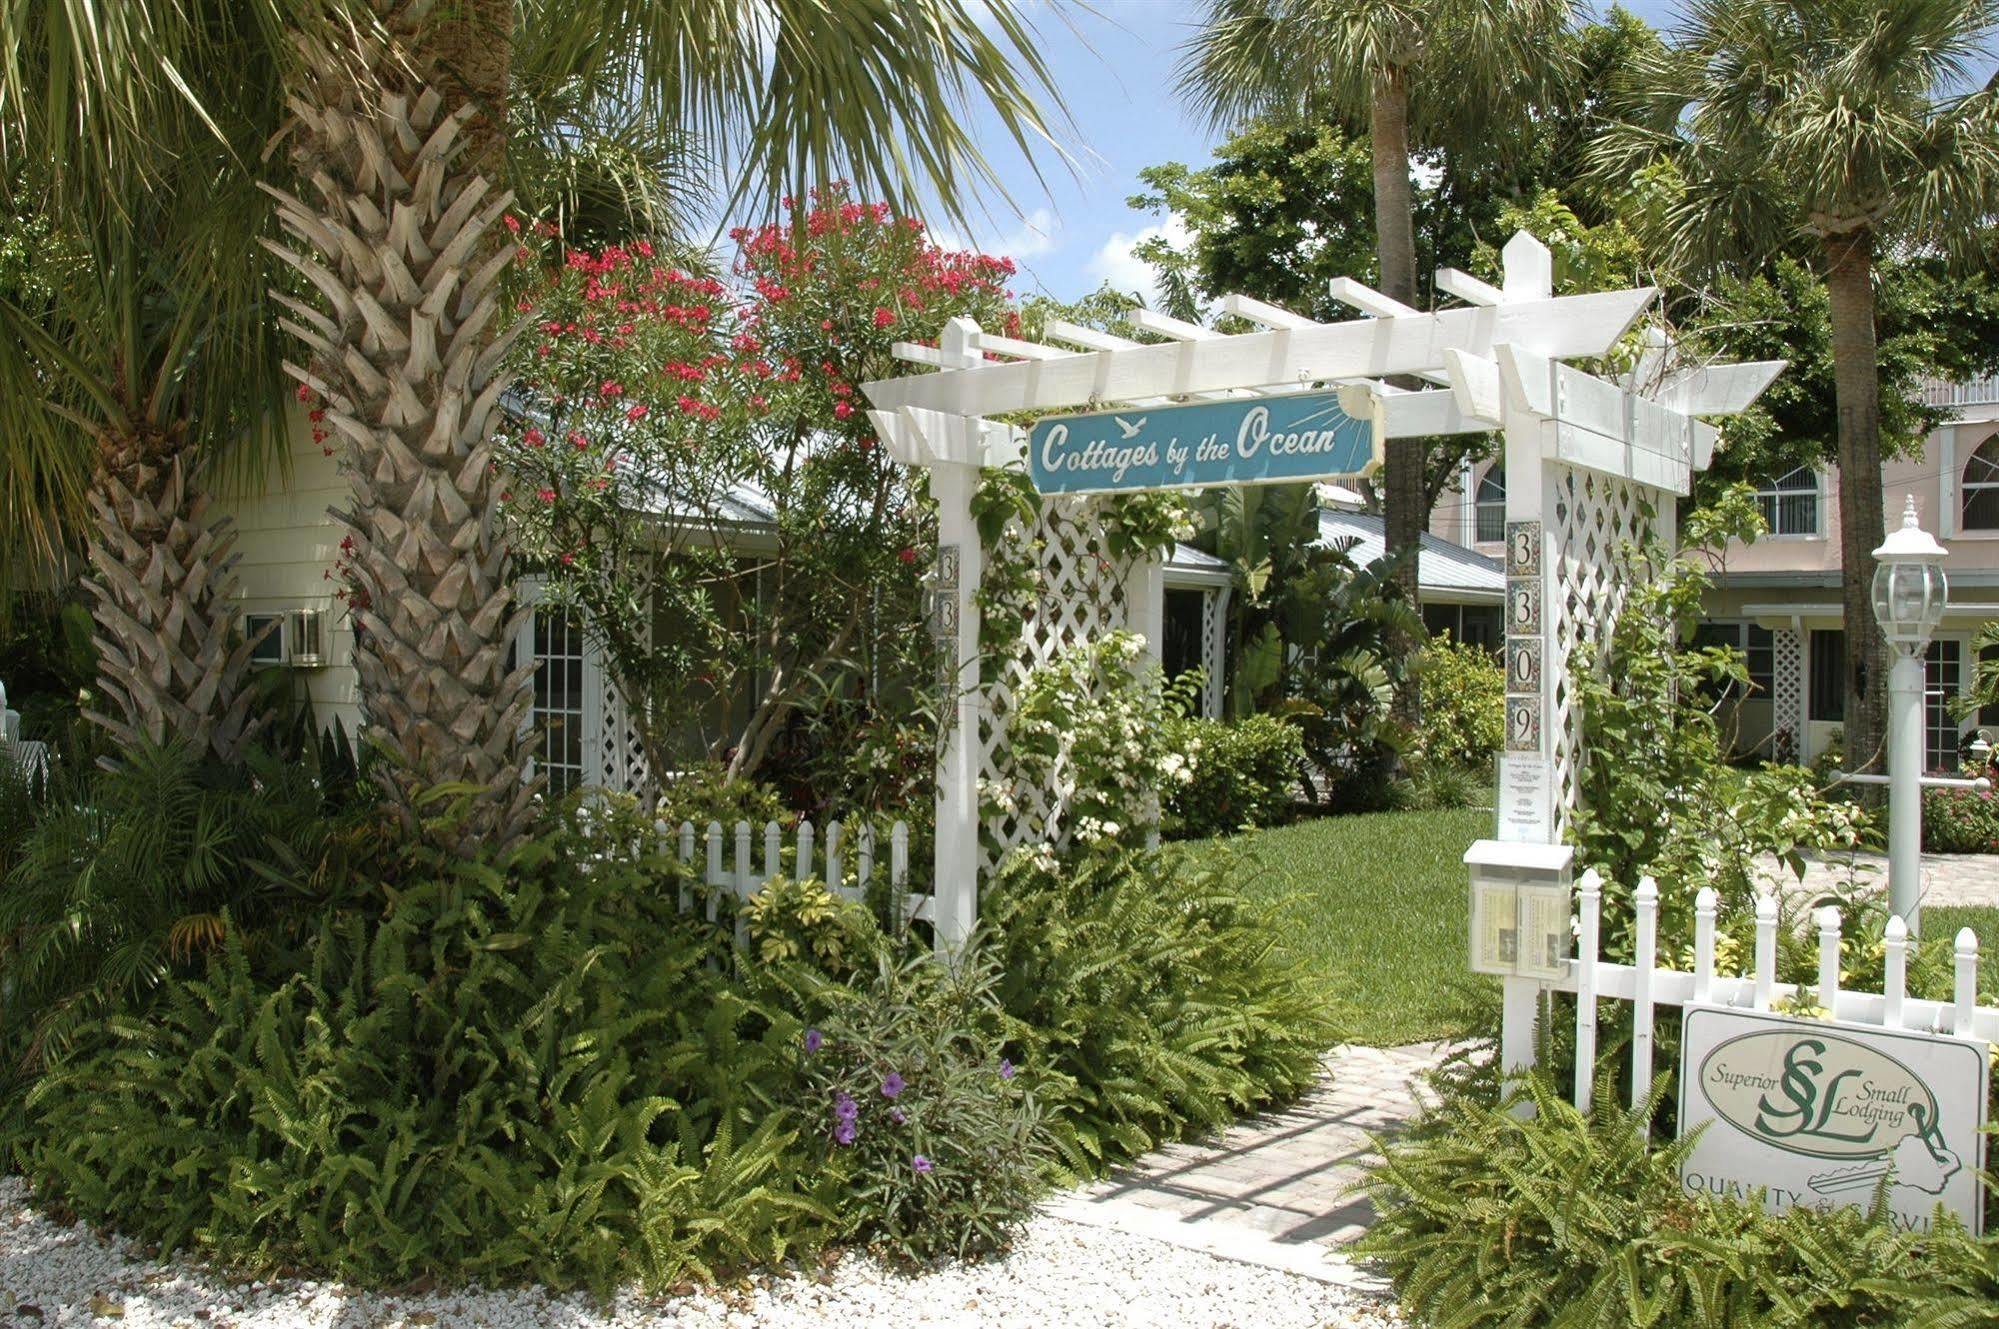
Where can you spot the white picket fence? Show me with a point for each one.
(809, 855)
(1648, 987)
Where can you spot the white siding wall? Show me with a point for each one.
(287, 546)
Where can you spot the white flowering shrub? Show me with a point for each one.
(1094, 729)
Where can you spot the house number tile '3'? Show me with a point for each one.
(1523, 606)
(1523, 549)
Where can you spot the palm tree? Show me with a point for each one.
(1416, 72)
(1830, 129)
(136, 349)
(402, 111)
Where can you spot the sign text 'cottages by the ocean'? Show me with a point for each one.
(1265, 440)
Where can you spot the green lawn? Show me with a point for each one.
(1377, 904)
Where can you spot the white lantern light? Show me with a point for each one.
(1909, 583)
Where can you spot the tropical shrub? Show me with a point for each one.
(1238, 774)
(1657, 795)
(1960, 821)
(517, 1071)
(937, 1135)
(133, 875)
(1464, 704)
(1485, 1217)
(708, 793)
(1148, 999)
(1094, 727)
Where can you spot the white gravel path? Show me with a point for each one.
(1060, 1274)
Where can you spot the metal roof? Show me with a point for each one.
(1442, 568)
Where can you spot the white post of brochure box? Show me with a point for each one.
(1520, 908)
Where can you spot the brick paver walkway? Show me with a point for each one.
(1272, 1189)
(1948, 879)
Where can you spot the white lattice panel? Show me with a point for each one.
(1787, 700)
(621, 759)
(1081, 597)
(1214, 651)
(1596, 523)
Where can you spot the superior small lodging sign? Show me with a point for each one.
(1263, 440)
(1826, 1115)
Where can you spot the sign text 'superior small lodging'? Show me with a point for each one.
(1264, 440)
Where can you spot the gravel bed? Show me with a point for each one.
(1060, 1274)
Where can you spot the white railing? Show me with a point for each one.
(1971, 392)
(1648, 987)
(807, 856)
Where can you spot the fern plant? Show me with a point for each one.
(1152, 1000)
(1556, 1218)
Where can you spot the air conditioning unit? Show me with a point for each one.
(268, 631)
(305, 638)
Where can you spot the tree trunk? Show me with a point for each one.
(1857, 386)
(1404, 512)
(398, 138)
(164, 594)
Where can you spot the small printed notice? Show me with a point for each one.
(1526, 800)
(1822, 1114)
(1495, 926)
(1306, 436)
(1519, 929)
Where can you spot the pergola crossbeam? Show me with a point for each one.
(1368, 300)
(1469, 288)
(1265, 314)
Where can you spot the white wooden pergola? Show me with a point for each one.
(1593, 464)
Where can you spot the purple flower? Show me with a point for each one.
(1006, 1069)
(845, 1132)
(844, 1107)
(892, 1086)
(814, 1040)
(897, 1117)
(921, 1164)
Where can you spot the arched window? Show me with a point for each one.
(1790, 503)
(1489, 510)
(1981, 487)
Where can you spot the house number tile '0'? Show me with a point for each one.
(1523, 549)
(1523, 724)
(1523, 606)
(1523, 664)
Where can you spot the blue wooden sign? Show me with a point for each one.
(1261, 440)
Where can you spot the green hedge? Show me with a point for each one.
(1960, 821)
(1236, 775)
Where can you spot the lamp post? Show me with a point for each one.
(1909, 589)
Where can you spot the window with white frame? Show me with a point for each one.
(1790, 503)
(559, 710)
(1981, 487)
(1489, 510)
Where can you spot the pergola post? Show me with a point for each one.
(959, 566)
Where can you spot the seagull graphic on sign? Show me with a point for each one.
(1130, 430)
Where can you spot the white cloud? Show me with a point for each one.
(1038, 233)
(1114, 261)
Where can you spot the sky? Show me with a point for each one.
(1115, 66)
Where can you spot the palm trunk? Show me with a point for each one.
(403, 245)
(1857, 387)
(164, 590)
(1404, 512)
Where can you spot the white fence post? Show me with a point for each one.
(1590, 919)
(836, 877)
(1645, 960)
(1706, 905)
(1766, 950)
(745, 882)
(686, 862)
(1828, 921)
(1894, 972)
(803, 868)
(714, 874)
(1966, 982)
(773, 851)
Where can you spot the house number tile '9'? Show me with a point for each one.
(1523, 664)
(1523, 549)
(1523, 606)
(1523, 724)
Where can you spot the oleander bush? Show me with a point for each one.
(1565, 1219)
(1149, 999)
(1960, 821)
(1238, 774)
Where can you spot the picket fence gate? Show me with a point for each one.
(808, 856)
(1647, 987)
